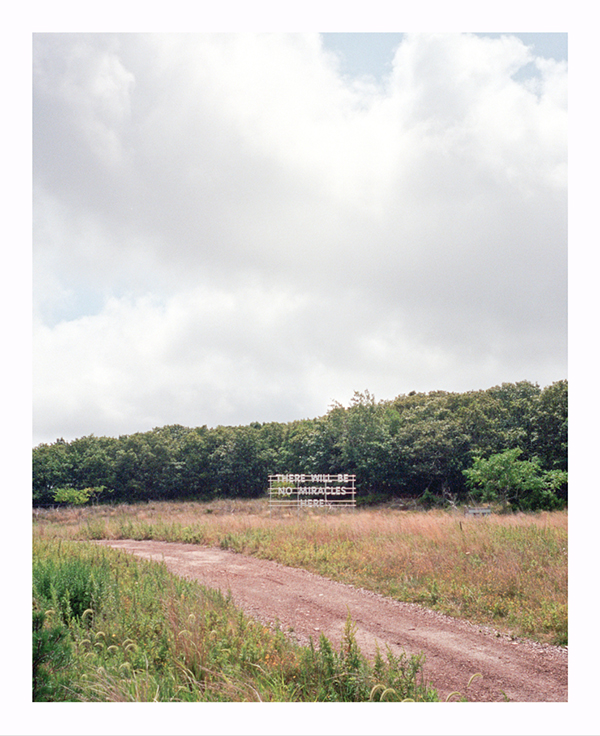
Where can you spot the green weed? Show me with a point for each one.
(110, 627)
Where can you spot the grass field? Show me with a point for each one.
(108, 627)
(506, 571)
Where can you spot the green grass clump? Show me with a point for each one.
(111, 627)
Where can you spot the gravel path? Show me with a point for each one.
(306, 605)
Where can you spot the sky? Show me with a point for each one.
(239, 227)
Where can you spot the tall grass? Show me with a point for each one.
(509, 571)
(110, 627)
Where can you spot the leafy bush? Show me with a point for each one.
(79, 496)
(70, 585)
(517, 484)
(51, 655)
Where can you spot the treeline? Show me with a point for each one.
(416, 446)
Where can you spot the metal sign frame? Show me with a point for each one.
(312, 490)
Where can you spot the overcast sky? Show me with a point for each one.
(247, 227)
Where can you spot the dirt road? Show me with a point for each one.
(308, 604)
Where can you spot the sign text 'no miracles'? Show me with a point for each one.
(312, 490)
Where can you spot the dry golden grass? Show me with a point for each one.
(507, 571)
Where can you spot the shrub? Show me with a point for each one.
(517, 484)
(51, 657)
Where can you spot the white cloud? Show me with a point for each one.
(228, 230)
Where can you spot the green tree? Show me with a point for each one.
(516, 484)
(363, 440)
(238, 463)
(194, 456)
(51, 468)
(550, 426)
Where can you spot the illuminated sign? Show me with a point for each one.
(311, 490)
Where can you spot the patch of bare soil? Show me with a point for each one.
(306, 605)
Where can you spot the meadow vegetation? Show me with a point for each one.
(506, 571)
(110, 627)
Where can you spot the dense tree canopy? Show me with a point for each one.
(412, 445)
